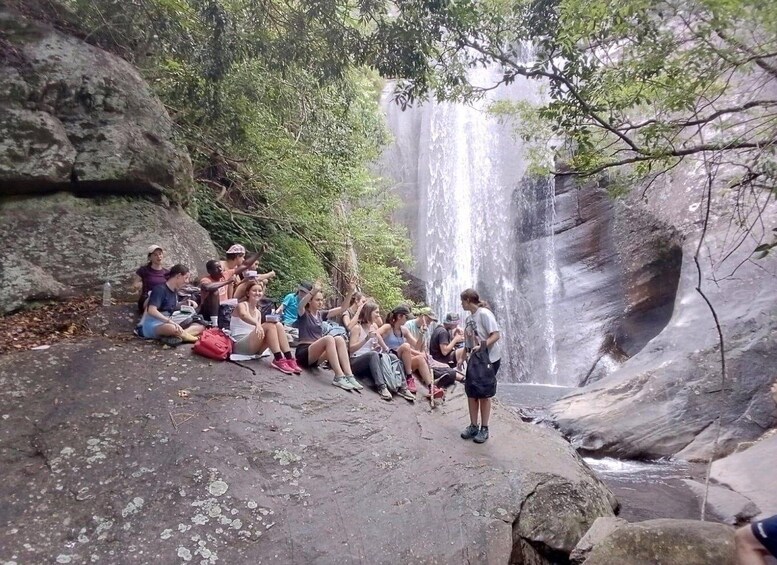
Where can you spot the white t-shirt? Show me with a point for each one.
(484, 323)
(415, 331)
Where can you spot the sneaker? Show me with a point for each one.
(481, 436)
(384, 393)
(282, 366)
(406, 394)
(343, 383)
(357, 386)
(470, 432)
(439, 393)
(411, 386)
(172, 341)
(292, 364)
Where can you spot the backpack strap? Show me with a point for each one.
(243, 366)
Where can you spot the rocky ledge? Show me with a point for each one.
(120, 451)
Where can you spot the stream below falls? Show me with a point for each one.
(645, 489)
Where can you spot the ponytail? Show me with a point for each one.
(396, 313)
(471, 295)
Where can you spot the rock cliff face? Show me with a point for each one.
(59, 244)
(664, 400)
(618, 269)
(90, 174)
(75, 117)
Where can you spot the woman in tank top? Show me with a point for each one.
(253, 334)
(400, 341)
(367, 346)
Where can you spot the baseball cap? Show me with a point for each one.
(251, 274)
(152, 248)
(426, 311)
(451, 318)
(237, 249)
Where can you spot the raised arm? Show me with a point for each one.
(212, 286)
(337, 310)
(353, 321)
(249, 261)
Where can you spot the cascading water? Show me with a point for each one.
(480, 220)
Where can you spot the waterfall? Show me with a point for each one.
(477, 219)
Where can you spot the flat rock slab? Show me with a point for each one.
(728, 506)
(751, 473)
(668, 542)
(122, 451)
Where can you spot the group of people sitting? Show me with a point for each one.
(351, 338)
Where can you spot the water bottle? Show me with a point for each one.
(107, 294)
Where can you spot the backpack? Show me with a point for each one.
(444, 376)
(480, 381)
(225, 313)
(214, 344)
(393, 373)
(329, 328)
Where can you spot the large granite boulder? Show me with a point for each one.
(668, 542)
(75, 117)
(59, 244)
(127, 452)
(664, 400)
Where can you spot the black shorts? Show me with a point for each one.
(302, 357)
(765, 531)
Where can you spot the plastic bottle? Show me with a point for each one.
(107, 294)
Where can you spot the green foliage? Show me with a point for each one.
(281, 122)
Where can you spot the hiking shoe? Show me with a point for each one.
(406, 394)
(357, 386)
(292, 364)
(411, 386)
(384, 393)
(282, 365)
(481, 436)
(471, 431)
(343, 383)
(171, 340)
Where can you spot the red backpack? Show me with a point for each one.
(214, 344)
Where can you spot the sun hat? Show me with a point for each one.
(428, 312)
(236, 249)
